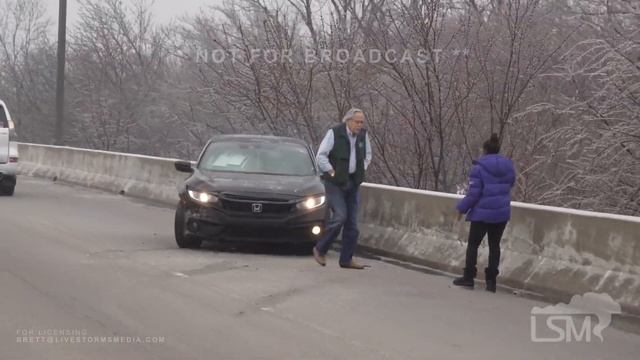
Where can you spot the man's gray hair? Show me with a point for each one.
(351, 113)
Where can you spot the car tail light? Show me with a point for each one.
(13, 159)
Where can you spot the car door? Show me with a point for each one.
(4, 134)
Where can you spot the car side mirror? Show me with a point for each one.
(183, 166)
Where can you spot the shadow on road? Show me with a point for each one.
(259, 248)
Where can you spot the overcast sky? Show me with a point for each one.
(163, 10)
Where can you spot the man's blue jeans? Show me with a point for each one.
(343, 203)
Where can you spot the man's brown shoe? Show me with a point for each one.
(353, 265)
(320, 259)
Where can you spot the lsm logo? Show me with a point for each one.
(573, 322)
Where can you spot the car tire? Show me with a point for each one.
(7, 190)
(183, 240)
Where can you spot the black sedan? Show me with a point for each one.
(251, 188)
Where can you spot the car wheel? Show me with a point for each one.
(183, 240)
(7, 190)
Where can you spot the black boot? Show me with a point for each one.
(491, 286)
(466, 280)
(490, 278)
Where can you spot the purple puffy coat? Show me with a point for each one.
(490, 182)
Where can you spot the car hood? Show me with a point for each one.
(290, 187)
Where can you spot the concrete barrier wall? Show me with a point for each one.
(553, 251)
(139, 176)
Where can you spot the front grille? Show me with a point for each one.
(248, 206)
(259, 233)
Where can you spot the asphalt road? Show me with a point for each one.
(90, 275)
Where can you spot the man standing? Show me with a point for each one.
(343, 157)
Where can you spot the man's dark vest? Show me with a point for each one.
(340, 153)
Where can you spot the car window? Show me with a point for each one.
(250, 157)
(4, 122)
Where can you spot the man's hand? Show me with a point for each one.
(458, 216)
(332, 173)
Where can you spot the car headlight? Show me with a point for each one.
(311, 202)
(203, 197)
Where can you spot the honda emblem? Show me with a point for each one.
(257, 208)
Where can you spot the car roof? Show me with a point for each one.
(258, 138)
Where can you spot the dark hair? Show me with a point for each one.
(492, 146)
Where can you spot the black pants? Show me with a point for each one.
(476, 234)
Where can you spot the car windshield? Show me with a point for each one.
(258, 157)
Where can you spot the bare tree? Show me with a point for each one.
(117, 61)
(598, 146)
(27, 68)
(565, 102)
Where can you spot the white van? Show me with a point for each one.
(8, 152)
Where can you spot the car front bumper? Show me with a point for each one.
(222, 224)
(9, 169)
(8, 173)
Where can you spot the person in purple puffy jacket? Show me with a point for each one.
(488, 208)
